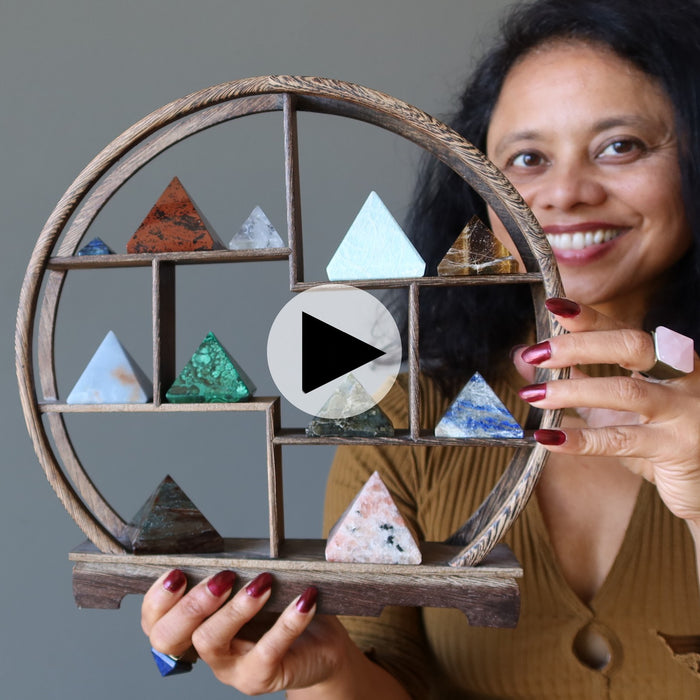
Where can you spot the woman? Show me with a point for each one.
(592, 110)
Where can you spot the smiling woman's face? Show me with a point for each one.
(589, 142)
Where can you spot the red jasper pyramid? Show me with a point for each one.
(174, 224)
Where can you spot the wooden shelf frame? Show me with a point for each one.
(55, 256)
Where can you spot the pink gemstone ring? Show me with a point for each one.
(675, 355)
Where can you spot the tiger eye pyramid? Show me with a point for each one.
(210, 376)
(477, 252)
(174, 224)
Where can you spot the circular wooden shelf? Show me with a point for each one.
(54, 257)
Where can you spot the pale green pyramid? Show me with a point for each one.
(375, 247)
(210, 376)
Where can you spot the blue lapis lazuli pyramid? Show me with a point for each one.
(478, 413)
(375, 247)
(168, 666)
(111, 376)
(96, 247)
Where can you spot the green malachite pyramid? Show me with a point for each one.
(210, 376)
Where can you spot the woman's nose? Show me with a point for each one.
(569, 186)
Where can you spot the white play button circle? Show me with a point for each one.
(322, 335)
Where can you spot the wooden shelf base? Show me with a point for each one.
(488, 594)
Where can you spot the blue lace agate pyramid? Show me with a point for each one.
(375, 247)
(478, 413)
(111, 376)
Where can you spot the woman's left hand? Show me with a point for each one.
(652, 427)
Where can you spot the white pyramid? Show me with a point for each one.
(375, 247)
(111, 376)
(256, 232)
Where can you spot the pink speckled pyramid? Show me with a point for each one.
(371, 530)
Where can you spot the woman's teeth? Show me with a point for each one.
(579, 240)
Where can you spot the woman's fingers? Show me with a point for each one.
(171, 632)
(630, 348)
(623, 394)
(262, 666)
(276, 642)
(214, 637)
(161, 597)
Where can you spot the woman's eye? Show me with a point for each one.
(622, 147)
(528, 159)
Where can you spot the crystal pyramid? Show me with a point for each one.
(210, 376)
(375, 247)
(256, 232)
(169, 522)
(350, 401)
(111, 376)
(372, 530)
(477, 412)
(174, 224)
(477, 252)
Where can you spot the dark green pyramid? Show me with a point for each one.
(210, 376)
(168, 522)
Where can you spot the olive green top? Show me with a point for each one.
(651, 590)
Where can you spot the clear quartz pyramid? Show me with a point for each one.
(350, 411)
(256, 232)
(478, 413)
(375, 247)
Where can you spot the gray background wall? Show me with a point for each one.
(76, 73)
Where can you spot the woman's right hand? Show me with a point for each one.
(298, 651)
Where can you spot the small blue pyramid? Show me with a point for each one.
(478, 413)
(96, 247)
(111, 376)
(168, 666)
(375, 247)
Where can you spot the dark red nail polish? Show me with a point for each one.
(221, 582)
(307, 600)
(533, 392)
(174, 581)
(550, 437)
(260, 585)
(537, 353)
(563, 307)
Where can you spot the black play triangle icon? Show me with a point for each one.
(328, 353)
